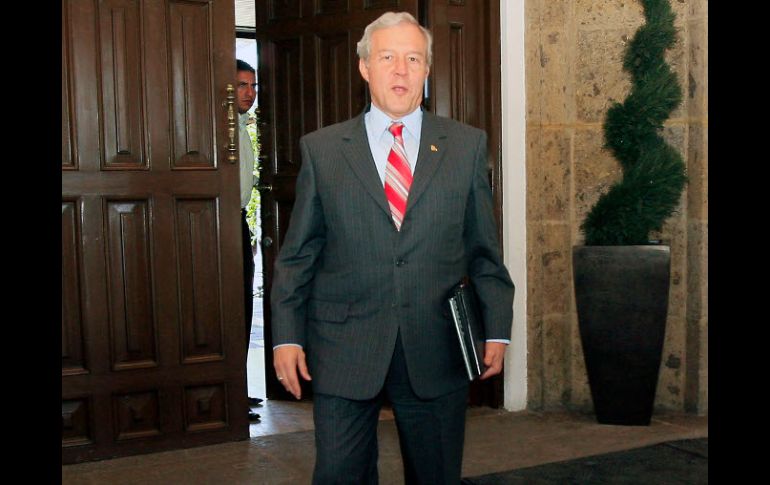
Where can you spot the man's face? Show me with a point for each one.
(396, 69)
(247, 84)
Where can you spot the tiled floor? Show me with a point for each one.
(495, 441)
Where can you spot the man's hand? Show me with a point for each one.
(286, 360)
(494, 353)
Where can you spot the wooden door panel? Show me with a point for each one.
(80, 22)
(330, 7)
(76, 422)
(283, 9)
(190, 37)
(288, 99)
(156, 72)
(460, 98)
(93, 267)
(130, 285)
(121, 74)
(459, 77)
(72, 349)
(334, 77)
(67, 143)
(137, 415)
(152, 311)
(205, 407)
(284, 206)
(199, 280)
(383, 4)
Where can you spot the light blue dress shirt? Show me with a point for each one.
(381, 140)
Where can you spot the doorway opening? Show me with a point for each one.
(246, 50)
(276, 416)
(307, 79)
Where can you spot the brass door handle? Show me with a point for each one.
(265, 187)
(231, 157)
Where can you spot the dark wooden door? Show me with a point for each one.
(152, 299)
(308, 78)
(465, 85)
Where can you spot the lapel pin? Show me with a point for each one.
(433, 148)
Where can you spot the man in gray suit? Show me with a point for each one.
(393, 208)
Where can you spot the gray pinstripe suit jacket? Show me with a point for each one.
(346, 281)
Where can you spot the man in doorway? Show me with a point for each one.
(393, 208)
(246, 94)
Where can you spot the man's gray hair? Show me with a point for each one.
(391, 19)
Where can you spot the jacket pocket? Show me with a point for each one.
(327, 311)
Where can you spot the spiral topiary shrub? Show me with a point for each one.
(653, 171)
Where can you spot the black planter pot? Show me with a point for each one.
(621, 294)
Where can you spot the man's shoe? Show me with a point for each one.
(255, 401)
(253, 416)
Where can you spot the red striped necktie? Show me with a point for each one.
(398, 176)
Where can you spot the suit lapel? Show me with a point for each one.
(355, 147)
(428, 160)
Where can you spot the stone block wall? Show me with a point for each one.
(573, 74)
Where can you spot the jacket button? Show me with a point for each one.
(400, 262)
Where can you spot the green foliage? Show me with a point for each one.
(653, 171)
(252, 209)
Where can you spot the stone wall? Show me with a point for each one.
(573, 74)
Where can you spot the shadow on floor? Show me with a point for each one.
(684, 461)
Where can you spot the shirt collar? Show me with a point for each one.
(243, 118)
(379, 121)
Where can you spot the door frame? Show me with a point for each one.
(514, 188)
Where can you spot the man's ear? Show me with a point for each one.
(363, 69)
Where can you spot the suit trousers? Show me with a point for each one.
(431, 433)
(248, 275)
